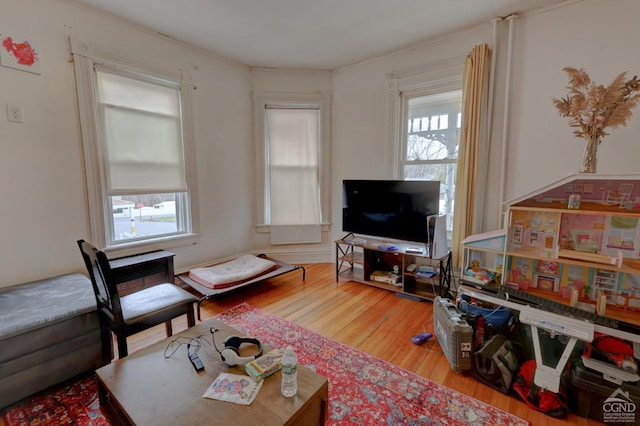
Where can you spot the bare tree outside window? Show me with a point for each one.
(431, 144)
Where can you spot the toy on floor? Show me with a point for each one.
(419, 339)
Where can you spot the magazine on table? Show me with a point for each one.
(234, 388)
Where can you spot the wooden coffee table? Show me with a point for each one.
(146, 388)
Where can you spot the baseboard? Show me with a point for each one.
(298, 255)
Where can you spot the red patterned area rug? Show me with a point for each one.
(363, 390)
(74, 402)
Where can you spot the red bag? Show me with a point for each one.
(550, 403)
(612, 350)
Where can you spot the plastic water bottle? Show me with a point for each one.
(289, 385)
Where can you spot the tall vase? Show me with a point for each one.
(590, 157)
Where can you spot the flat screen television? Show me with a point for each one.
(395, 209)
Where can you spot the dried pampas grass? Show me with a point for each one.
(592, 108)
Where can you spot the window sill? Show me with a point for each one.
(127, 249)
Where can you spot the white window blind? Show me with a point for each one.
(142, 136)
(293, 160)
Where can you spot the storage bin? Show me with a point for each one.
(588, 391)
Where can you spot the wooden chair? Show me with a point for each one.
(138, 311)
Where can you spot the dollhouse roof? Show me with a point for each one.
(491, 239)
(621, 191)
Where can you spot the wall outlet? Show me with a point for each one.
(15, 114)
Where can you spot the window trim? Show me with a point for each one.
(263, 100)
(84, 58)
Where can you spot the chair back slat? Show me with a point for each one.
(105, 290)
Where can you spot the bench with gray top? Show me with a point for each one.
(49, 332)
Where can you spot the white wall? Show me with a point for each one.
(44, 206)
(596, 35)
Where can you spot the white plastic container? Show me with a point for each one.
(289, 370)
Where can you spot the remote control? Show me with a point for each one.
(418, 339)
(195, 361)
(412, 267)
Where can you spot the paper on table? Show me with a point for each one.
(233, 388)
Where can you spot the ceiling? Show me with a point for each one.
(310, 34)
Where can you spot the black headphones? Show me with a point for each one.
(231, 353)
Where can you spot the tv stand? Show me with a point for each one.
(372, 261)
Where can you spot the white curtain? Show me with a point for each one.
(293, 187)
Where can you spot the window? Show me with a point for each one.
(430, 143)
(291, 167)
(137, 148)
(292, 141)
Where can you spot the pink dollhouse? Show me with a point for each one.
(578, 238)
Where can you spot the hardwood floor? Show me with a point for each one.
(372, 320)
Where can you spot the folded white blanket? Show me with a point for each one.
(232, 272)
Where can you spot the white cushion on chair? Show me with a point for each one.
(152, 300)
